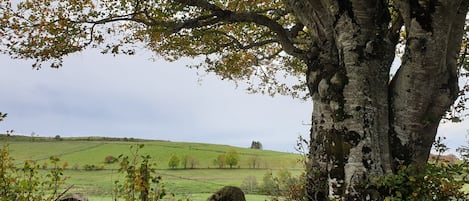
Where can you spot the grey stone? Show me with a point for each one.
(228, 193)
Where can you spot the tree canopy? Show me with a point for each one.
(238, 40)
(232, 158)
(263, 43)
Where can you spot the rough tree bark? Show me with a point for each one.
(363, 124)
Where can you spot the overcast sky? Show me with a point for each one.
(133, 96)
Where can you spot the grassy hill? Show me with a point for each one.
(195, 183)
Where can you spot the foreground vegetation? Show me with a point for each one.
(106, 169)
(84, 163)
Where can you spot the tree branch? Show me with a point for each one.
(201, 4)
(220, 15)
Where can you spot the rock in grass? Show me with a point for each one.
(74, 197)
(228, 193)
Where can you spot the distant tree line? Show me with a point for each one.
(231, 159)
(186, 161)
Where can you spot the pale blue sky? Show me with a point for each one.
(102, 95)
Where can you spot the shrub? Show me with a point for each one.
(250, 185)
(76, 166)
(64, 165)
(89, 167)
(269, 185)
(140, 179)
(284, 185)
(432, 182)
(92, 167)
(26, 183)
(110, 159)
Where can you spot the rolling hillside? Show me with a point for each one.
(204, 179)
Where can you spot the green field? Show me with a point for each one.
(196, 184)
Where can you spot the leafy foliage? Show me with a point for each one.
(26, 182)
(220, 161)
(434, 182)
(48, 30)
(141, 181)
(284, 185)
(189, 161)
(250, 185)
(439, 147)
(254, 161)
(173, 162)
(232, 158)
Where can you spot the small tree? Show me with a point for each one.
(173, 162)
(250, 185)
(185, 161)
(256, 145)
(189, 161)
(269, 185)
(140, 179)
(254, 161)
(193, 162)
(220, 161)
(232, 157)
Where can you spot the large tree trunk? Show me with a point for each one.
(363, 124)
(426, 84)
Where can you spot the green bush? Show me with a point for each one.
(250, 185)
(92, 167)
(284, 185)
(173, 162)
(110, 159)
(439, 182)
(76, 166)
(26, 182)
(141, 181)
